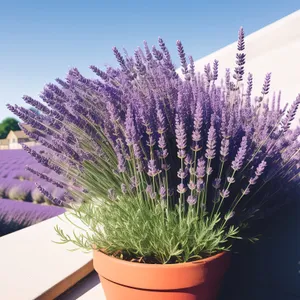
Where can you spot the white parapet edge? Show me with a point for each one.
(32, 266)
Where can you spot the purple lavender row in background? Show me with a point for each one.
(16, 215)
(19, 184)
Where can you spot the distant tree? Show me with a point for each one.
(7, 125)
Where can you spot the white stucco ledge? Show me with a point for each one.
(89, 288)
(32, 266)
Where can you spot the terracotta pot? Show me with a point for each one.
(123, 280)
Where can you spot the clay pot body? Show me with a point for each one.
(198, 280)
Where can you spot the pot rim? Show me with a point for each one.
(187, 264)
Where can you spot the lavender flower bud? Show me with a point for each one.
(182, 174)
(161, 127)
(147, 51)
(249, 85)
(266, 85)
(149, 189)
(231, 180)
(241, 40)
(162, 192)
(286, 123)
(224, 193)
(198, 120)
(188, 160)
(48, 195)
(180, 135)
(216, 183)
(152, 169)
(162, 142)
(207, 72)
(240, 156)
(224, 150)
(134, 182)
(181, 189)
(246, 191)
(211, 143)
(258, 172)
(191, 200)
(184, 67)
(192, 66)
(119, 58)
(200, 170)
(215, 70)
(191, 185)
(200, 185)
(157, 54)
(209, 171)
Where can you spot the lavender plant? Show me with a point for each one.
(163, 168)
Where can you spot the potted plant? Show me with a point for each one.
(165, 171)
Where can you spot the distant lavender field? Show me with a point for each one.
(15, 215)
(18, 184)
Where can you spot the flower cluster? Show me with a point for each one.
(143, 131)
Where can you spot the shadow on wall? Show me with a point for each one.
(269, 269)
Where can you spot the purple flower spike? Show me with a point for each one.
(246, 191)
(224, 150)
(240, 156)
(184, 67)
(162, 192)
(216, 183)
(200, 185)
(157, 54)
(182, 174)
(181, 189)
(266, 85)
(180, 135)
(224, 193)
(260, 168)
(207, 72)
(211, 143)
(192, 66)
(200, 171)
(191, 185)
(215, 70)
(149, 189)
(119, 58)
(152, 169)
(258, 172)
(230, 180)
(241, 40)
(191, 200)
(249, 85)
(286, 123)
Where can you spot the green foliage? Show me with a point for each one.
(132, 229)
(7, 125)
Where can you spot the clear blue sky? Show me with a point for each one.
(41, 40)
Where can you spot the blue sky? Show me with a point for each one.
(41, 40)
